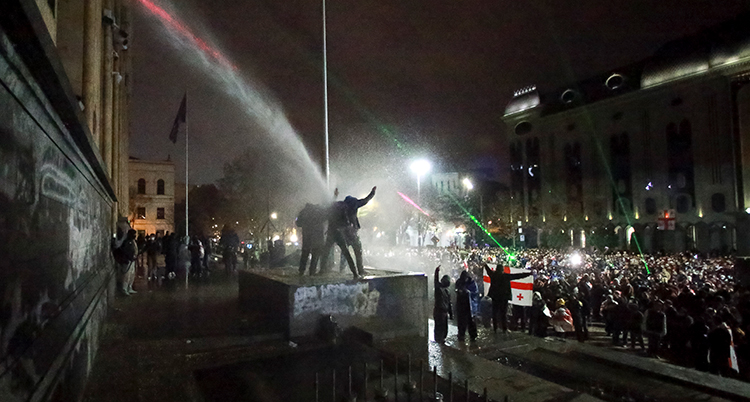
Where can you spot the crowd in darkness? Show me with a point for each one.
(685, 308)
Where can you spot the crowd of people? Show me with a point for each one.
(684, 307)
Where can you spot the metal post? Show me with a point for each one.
(395, 382)
(486, 398)
(466, 387)
(421, 380)
(334, 385)
(350, 382)
(434, 380)
(365, 385)
(317, 387)
(325, 96)
(408, 369)
(381, 373)
(450, 386)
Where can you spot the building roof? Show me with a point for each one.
(722, 45)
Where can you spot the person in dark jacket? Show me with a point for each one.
(500, 294)
(443, 308)
(655, 327)
(311, 221)
(467, 296)
(338, 224)
(352, 232)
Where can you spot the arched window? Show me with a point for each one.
(160, 187)
(141, 186)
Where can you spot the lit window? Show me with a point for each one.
(140, 213)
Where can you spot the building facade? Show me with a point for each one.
(651, 156)
(152, 196)
(64, 79)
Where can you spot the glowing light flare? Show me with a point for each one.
(414, 204)
(576, 259)
(178, 26)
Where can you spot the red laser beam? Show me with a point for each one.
(178, 26)
(407, 199)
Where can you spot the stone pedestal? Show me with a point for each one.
(385, 305)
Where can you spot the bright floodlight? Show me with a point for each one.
(293, 238)
(576, 259)
(468, 184)
(421, 167)
(273, 215)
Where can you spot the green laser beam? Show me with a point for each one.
(627, 212)
(479, 224)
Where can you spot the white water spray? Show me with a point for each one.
(280, 140)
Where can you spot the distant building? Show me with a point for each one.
(444, 183)
(664, 142)
(152, 196)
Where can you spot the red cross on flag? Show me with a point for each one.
(522, 289)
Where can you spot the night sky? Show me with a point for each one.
(406, 78)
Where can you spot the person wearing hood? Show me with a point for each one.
(467, 303)
(500, 294)
(539, 316)
(343, 225)
(443, 308)
(352, 233)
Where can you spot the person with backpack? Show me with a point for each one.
(125, 251)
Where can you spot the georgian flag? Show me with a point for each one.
(522, 289)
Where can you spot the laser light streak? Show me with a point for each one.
(178, 26)
(414, 204)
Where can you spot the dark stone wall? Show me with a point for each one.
(291, 306)
(55, 225)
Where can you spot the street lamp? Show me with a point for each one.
(470, 186)
(420, 167)
(274, 215)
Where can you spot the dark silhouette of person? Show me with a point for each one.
(343, 226)
(443, 308)
(229, 243)
(467, 295)
(352, 231)
(338, 222)
(500, 294)
(311, 220)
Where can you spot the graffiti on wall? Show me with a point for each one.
(337, 299)
(54, 239)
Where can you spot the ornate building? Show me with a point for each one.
(152, 196)
(64, 79)
(663, 142)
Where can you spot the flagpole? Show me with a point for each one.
(325, 97)
(187, 233)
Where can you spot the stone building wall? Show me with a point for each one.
(57, 208)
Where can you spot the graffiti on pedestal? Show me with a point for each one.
(337, 299)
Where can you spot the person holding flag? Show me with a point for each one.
(500, 293)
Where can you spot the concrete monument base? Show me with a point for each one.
(383, 305)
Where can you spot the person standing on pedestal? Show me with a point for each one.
(311, 221)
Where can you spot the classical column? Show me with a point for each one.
(92, 66)
(108, 89)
